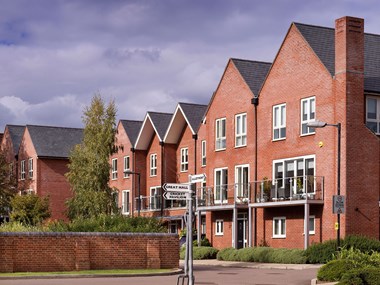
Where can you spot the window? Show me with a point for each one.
(307, 115)
(125, 202)
(240, 130)
(30, 168)
(184, 159)
(241, 182)
(373, 114)
(311, 225)
(221, 181)
(203, 225)
(126, 166)
(155, 198)
(203, 154)
(279, 122)
(219, 227)
(22, 170)
(220, 134)
(114, 168)
(153, 164)
(279, 227)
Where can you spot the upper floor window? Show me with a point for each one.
(114, 168)
(153, 164)
(307, 115)
(241, 130)
(184, 159)
(22, 170)
(203, 150)
(126, 166)
(373, 114)
(220, 134)
(279, 122)
(30, 168)
(125, 202)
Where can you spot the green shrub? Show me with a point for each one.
(362, 243)
(289, 256)
(262, 254)
(228, 254)
(18, 227)
(321, 252)
(365, 275)
(204, 242)
(29, 209)
(246, 254)
(334, 270)
(199, 253)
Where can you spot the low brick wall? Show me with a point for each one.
(37, 252)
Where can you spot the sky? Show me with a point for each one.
(146, 55)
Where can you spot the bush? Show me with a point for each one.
(204, 242)
(246, 254)
(366, 275)
(334, 270)
(18, 227)
(199, 253)
(362, 243)
(29, 209)
(284, 255)
(228, 254)
(321, 252)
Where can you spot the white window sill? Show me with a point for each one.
(278, 237)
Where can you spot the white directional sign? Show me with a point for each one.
(176, 195)
(176, 187)
(197, 178)
(174, 191)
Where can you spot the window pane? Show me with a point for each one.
(312, 109)
(304, 110)
(282, 226)
(372, 126)
(276, 117)
(371, 108)
(311, 224)
(283, 114)
(283, 132)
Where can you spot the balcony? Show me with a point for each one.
(153, 203)
(223, 196)
(288, 191)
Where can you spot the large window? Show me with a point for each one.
(126, 207)
(241, 181)
(311, 225)
(219, 227)
(291, 173)
(203, 150)
(155, 198)
(307, 115)
(153, 164)
(30, 168)
(373, 114)
(279, 227)
(114, 168)
(126, 166)
(22, 170)
(221, 180)
(279, 122)
(220, 134)
(184, 159)
(241, 130)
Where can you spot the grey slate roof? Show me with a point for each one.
(322, 41)
(132, 128)
(161, 122)
(54, 142)
(16, 132)
(253, 72)
(194, 114)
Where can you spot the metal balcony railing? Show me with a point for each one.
(154, 203)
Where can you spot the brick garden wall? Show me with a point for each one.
(44, 252)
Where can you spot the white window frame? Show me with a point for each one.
(279, 122)
(203, 152)
(22, 170)
(240, 188)
(125, 210)
(219, 227)
(127, 165)
(222, 186)
(282, 231)
(308, 106)
(154, 198)
(374, 120)
(241, 130)
(220, 134)
(114, 168)
(184, 159)
(30, 168)
(312, 221)
(153, 164)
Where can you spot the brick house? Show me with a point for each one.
(43, 157)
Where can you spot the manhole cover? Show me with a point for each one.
(227, 273)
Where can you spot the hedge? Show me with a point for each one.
(203, 252)
(366, 275)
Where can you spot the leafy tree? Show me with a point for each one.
(30, 209)
(89, 167)
(7, 185)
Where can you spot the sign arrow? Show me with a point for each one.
(197, 178)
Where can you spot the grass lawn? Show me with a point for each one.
(89, 272)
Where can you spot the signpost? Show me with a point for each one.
(197, 178)
(339, 204)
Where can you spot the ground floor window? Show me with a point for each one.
(312, 225)
(173, 227)
(203, 225)
(279, 227)
(219, 227)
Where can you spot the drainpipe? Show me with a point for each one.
(133, 181)
(199, 216)
(163, 175)
(255, 102)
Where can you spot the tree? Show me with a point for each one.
(89, 166)
(30, 209)
(7, 185)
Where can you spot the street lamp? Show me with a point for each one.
(319, 124)
(138, 189)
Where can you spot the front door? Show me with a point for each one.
(241, 233)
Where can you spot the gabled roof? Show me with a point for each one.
(54, 142)
(185, 113)
(322, 41)
(15, 132)
(132, 128)
(154, 122)
(253, 72)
